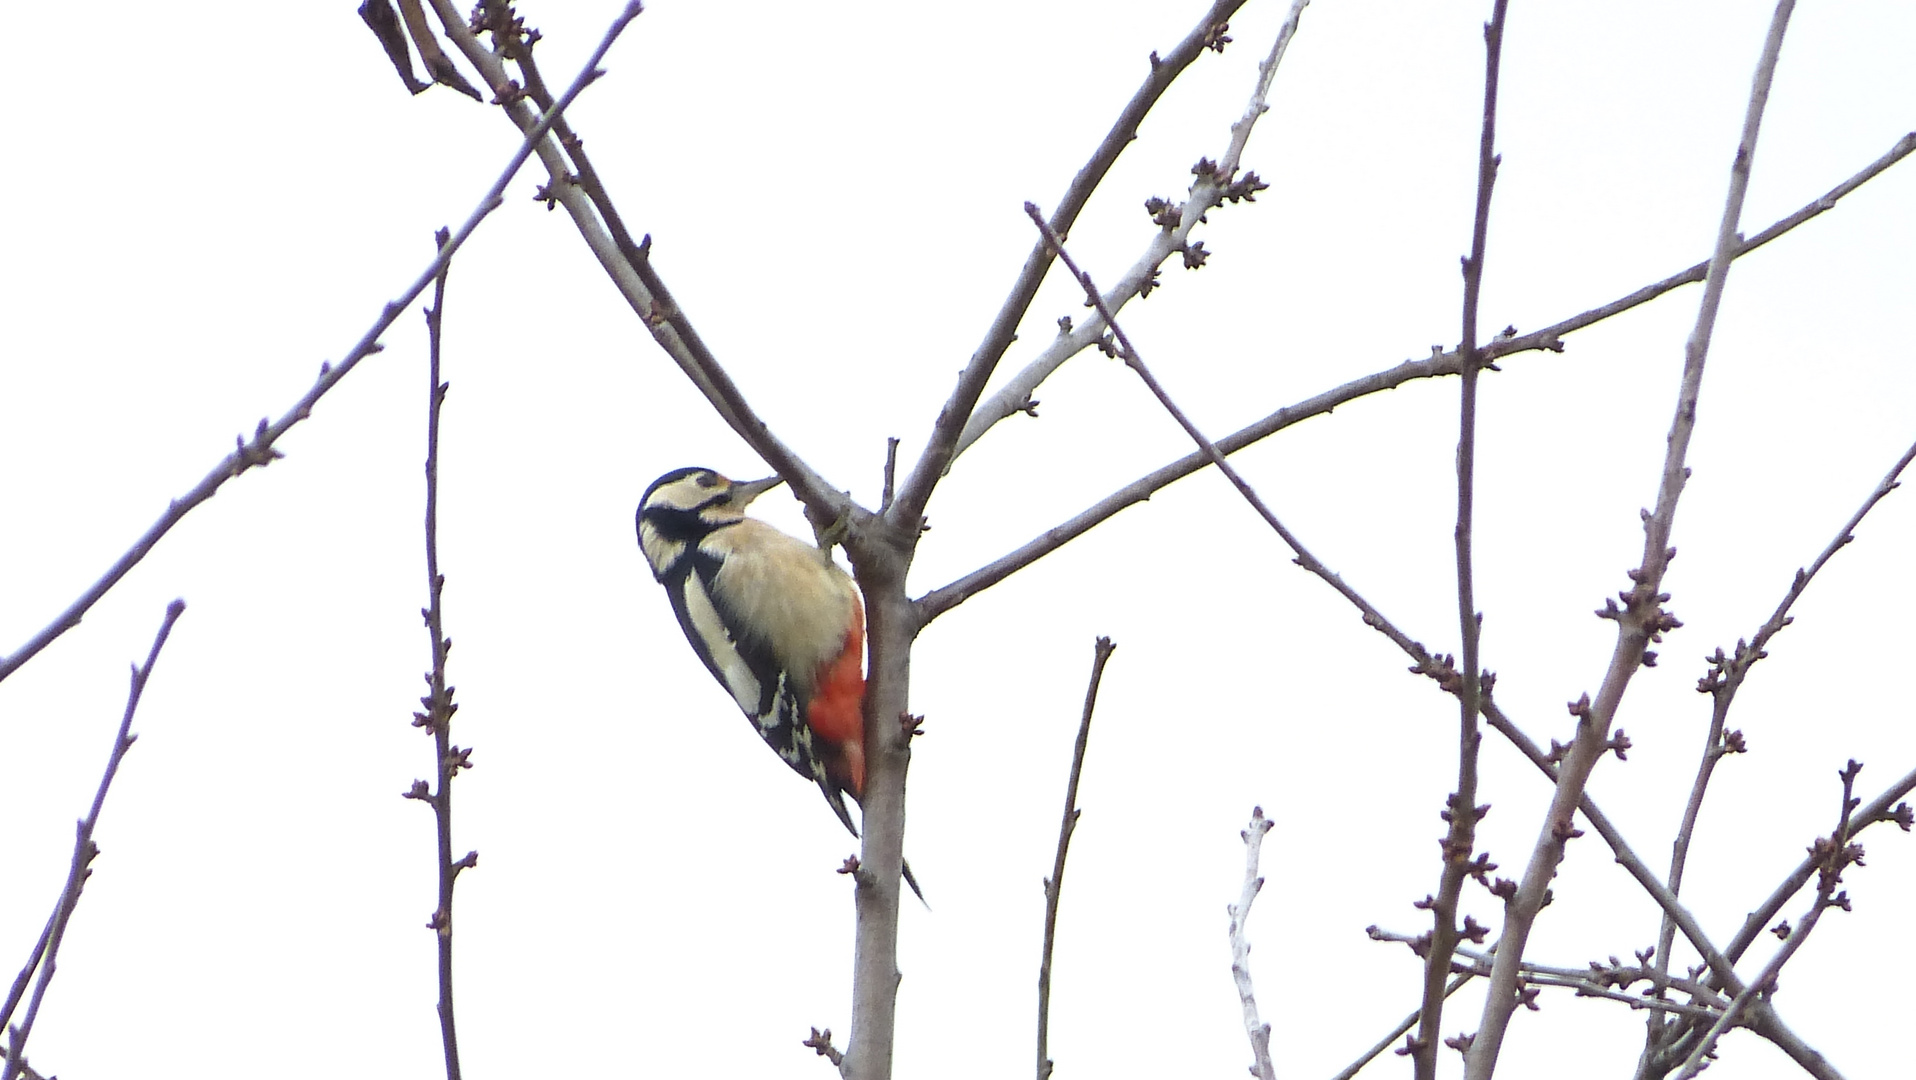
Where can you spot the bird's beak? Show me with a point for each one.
(744, 493)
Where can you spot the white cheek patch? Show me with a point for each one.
(659, 551)
(733, 670)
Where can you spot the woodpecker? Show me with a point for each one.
(775, 620)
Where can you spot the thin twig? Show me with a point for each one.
(437, 718)
(1304, 558)
(942, 446)
(46, 953)
(891, 475)
(1592, 981)
(259, 450)
(1834, 855)
(1889, 806)
(1722, 682)
(1214, 184)
(1402, 1029)
(383, 21)
(821, 1043)
(1643, 619)
(1426, 664)
(1462, 810)
(1721, 962)
(1439, 363)
(438, 64)
(1054, 885)
(1550, 336)
(1442, 671)
(1259, 1032)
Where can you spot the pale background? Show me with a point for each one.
(201, 208)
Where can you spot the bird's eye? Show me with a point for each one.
(706, 480)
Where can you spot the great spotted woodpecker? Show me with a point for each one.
(777, 623)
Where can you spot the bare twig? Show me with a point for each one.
(1834, 855)
(1439, 363)
(891, 475)
(1426, 664)
(1889, 806)
(438, 64)
(1444, 673)
(1549, 337)
(821, 1043)
(1054, 885)
(1595, 980)
(1722, 682)
(438, 702)
(1462, 811)
(259, 450)
(1643, 619)
(46, 952)
(384, 23)
(1214, 184)
(1402, 1029)
(1259, 1032)
(1372, 617)
(942, 446)
(1721, 962)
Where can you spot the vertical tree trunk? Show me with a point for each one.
(891, 625)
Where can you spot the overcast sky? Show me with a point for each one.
(203, 208)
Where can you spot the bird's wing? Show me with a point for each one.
(743, 663)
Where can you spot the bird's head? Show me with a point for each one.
(685, 504)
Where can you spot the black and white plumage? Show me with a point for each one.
(777, 623)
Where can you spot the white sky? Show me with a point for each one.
(202, 210)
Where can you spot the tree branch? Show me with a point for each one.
(259, 450)
(1439, 363)
(1462, 810)
(1215, 184)
(1643, 620)
(46, 952)
(1833, 856)
(1054, 885)
(1722, 682)
(1445, 674)
(942, 446)
(1402, 1029)
(437, 719)
(1131, 358)
(1259, 1032)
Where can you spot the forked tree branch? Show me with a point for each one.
(1444, 673)
(1440, 670)
(1439, 363)
(1722, 682)
(46, 951)
(1889, 806)
(1462, 810)
(1833, 856)
(259, 450)
(1721, 962)
(942, 446)
(1214, 184)
(1054, 885)
(1643, 619)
